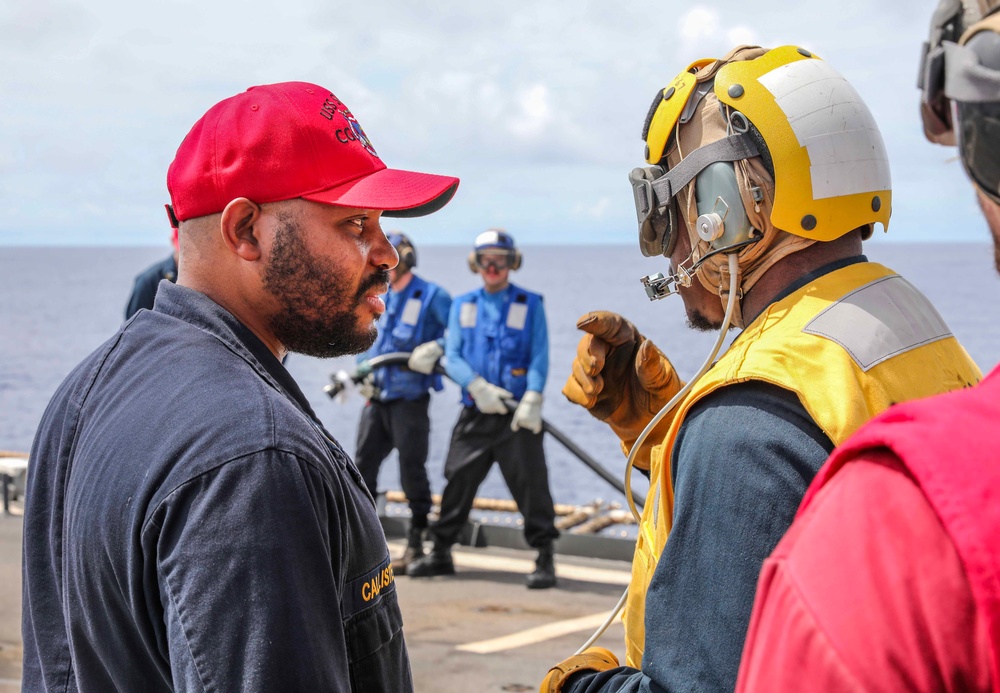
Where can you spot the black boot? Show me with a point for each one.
(414, 551)
(544, 575)
(437, 562)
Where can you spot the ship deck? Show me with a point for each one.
(480, 630)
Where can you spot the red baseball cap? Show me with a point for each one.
(284, 141)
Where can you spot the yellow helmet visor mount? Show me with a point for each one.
(667, 108)
(831, 170)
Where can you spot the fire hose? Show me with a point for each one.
(399, 358)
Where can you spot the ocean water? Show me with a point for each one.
(58, 304)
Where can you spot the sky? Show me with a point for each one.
(537, 106)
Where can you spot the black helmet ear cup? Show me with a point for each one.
(515, 259)
(405, 249)
(407, 255)
(473, 265)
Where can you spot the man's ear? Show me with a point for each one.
(239, 219)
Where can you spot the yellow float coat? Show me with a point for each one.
(849, 344)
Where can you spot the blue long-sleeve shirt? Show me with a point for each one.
(146, 284)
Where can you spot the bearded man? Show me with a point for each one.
(767, 171)
(191, 525)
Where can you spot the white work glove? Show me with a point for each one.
(528, 414)
(424, 357)
(367, 387)
(488, 397)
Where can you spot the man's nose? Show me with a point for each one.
(383, 254)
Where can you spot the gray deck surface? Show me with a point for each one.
(485, 601)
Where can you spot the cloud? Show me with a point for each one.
(538, 106)
(703, 32)
(42, 28)
(535, 114)
(596, 210)
(697, 24)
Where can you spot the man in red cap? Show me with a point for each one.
(230, 545)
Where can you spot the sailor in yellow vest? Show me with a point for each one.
(766, 171)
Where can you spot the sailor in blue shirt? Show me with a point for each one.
(415, 319)
(497, 349)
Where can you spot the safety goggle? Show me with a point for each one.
(657, 219)
(492, 261)
(946, 27)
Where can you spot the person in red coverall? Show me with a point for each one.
(889, 577)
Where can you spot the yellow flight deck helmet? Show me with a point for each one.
(810, 129)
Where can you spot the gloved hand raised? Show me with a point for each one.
(424, 357)
(621, 378)
(528, 414)
(593, 659)
(488, 397)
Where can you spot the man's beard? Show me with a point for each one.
(698, 321)
(316, 315)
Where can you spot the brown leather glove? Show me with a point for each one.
(593, 658)
(621, 378)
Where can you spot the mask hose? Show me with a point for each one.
(667, 408)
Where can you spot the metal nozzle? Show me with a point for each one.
(338, 383)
